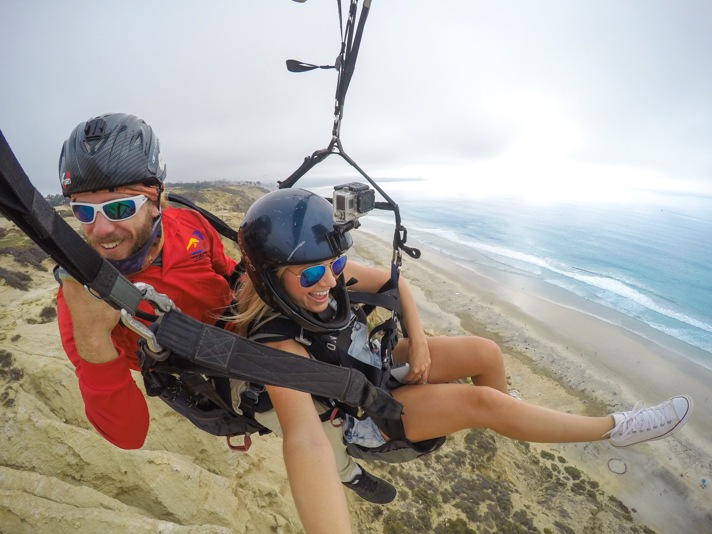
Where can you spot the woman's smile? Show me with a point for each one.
(319, 297)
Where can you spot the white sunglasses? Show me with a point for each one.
(120, 209)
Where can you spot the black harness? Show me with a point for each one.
(200, 388)
(337, 348)
(340, 349)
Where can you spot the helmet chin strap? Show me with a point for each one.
(144, 256)
(278, 298)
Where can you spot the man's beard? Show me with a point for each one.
(146, 243)
(145, 254)
(143, 234)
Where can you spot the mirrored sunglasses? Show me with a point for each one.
(311, 275)
(114, 210)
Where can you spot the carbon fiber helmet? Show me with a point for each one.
(110, 151)
(293, 227)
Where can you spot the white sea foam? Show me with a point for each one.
(645, 262)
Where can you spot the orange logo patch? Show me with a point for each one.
(196, 244)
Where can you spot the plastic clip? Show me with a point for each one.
(335, 418)
(246, 443)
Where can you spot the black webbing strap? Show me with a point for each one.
(195, 383)
(346, 62)
(351, 36)
(235, 356)
(344, 65)
(216, 222)
(25, 206)
(386, 299)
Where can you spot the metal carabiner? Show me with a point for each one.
(161, 304)
(143, 331)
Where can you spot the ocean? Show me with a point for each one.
(650, 260)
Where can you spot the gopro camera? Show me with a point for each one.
(352, 200)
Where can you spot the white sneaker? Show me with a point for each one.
(648, 424)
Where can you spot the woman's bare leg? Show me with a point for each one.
(453, 358)
(433, 410)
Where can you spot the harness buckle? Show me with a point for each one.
(302, 340)
(397, 259)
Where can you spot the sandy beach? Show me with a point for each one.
(565, 353)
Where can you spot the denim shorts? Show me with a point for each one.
(362, 432)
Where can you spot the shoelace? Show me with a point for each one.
(364, 482)
(641, 419)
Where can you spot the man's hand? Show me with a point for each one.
(93, 321)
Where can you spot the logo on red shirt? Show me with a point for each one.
(196, 244)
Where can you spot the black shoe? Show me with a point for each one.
(371, 488)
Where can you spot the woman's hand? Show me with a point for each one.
(419, 360)
(418, 357)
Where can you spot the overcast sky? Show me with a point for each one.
(500, 96)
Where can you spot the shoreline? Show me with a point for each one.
(517, 309)
(564, 352)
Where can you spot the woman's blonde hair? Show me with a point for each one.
(251, 308)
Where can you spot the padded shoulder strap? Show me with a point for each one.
(386, 297)
(231, 355)
(275, 327)
(220, 226)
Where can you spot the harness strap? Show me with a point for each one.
(197, 384)
(26, 207)
(231, 355)
(386, 299)
(246, 443)
(346, 62)
(220, 226)
(351, 36)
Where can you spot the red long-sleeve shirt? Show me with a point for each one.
(192, 274)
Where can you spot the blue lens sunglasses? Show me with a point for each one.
(310, 276)
(114, 210)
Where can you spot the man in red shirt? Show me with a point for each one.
(112, 170)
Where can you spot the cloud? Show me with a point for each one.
(438, 83)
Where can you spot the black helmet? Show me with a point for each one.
(293, 227)
(110, 151)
